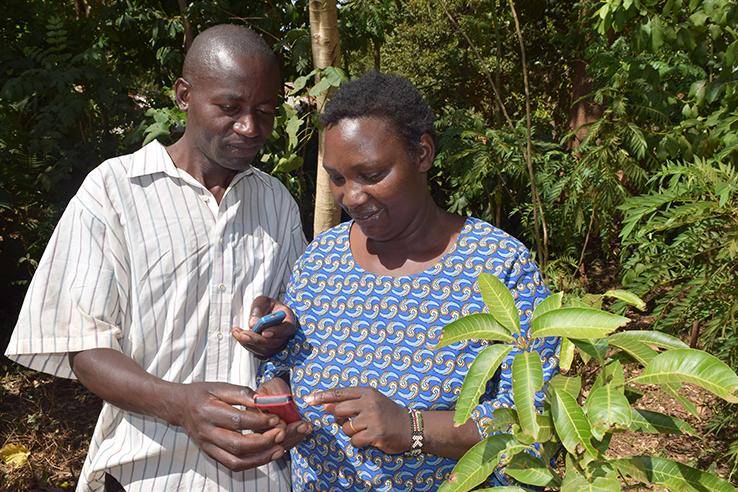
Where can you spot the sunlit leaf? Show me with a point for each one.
(577, 483)
(14, 455)
(639, 351)
(548, 304)
(527, 373)
(475, 382)
(479, 326)
(500, 302)
(673, 475)
(577, 323)
(654, 422)
(529, 470)
(571, 423)
(650, 337)
(572, 385)
(596, 349)
(607, 407)
(566, 354)
(692, 366)
(477, 464)
(612, 373)
(627, 297)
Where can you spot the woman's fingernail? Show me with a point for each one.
(310, 399)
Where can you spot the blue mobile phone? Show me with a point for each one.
(268, 320)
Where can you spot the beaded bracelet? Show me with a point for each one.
(416, 432)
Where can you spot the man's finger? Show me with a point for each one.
(261, 306)
(238, 444)
(334, 395)
(232, 394)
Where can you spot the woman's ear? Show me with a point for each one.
(182, 93)
(426, 154)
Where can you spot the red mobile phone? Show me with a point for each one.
(280, 405)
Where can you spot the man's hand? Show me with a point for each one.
(272, 339)
(296, 431)
(368, 417)
(207, 413)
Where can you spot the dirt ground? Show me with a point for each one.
(54, 418)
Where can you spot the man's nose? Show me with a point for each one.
(246, 125)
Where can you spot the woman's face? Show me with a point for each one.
(374, 177)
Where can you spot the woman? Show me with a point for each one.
(372, 295)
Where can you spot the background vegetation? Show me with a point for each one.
(629, 109)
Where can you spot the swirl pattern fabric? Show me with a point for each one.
(362, 329)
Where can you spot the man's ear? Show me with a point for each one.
(426, 154)
(182, 90)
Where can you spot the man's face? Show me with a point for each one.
(230, 109)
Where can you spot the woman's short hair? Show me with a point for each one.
(389, 97)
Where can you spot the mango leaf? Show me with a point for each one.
(639, 351)
(612, 373)
(500, 302)
(477, 464)
(654, 422)
(545, 426)
(475, 382)
(577, 483)
(627, 297)
(502, 418)
(14, 455)
(673, 390)
(566, 354)
(480, 326)
(504, 488)
(650, 337)
(692, 366)
(572, 385)
(571, 423)
(673, 475)
(596, 349)
(607, 407)
(548, 304)
(577, 323)
(530, 470)
(527, 376)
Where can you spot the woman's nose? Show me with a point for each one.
(354, 196)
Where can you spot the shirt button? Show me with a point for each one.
(204, 198)
(219, 336)
(221, 287)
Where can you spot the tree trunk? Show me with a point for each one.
(583, 112)
(326, 53)
(182, 4)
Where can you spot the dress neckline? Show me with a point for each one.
(465, 228)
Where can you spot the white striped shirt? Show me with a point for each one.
(145, 261)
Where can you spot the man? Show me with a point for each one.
(156, 257)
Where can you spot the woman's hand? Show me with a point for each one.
(272, 339)
(367, 417)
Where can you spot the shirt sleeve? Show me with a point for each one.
(74, 300)
(527, 287)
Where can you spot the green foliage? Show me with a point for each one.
(575, 434)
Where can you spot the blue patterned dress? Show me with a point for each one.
(362, 329)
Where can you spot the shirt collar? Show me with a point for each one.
(153, 158)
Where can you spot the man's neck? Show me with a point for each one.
(212, 176)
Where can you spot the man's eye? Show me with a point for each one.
(227, 108)
(266, 111)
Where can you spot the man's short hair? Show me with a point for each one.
(389, 97)
(235, 40)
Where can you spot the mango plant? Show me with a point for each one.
(563, 445)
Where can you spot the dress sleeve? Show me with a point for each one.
(527, 287)
(74, 300)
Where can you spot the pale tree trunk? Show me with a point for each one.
(326, 53)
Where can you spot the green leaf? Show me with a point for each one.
(572, 385)
(505, 488)
(577, 483)
(642, 353)
(527, 376)
(612, 373)
(576, 323)
(650, 337)
(323, 85)
(592, 348)
(692, 366)
(673, 475)
(292, 127)
(566, 354)
(627, 297)
(548, 304)
(477, 464)
(654, 422)
(607, 407)
(475, 382)
(529, 470)
(288, 164)
(571, 423)
(502, 418)
(478, 326)
(673, 390)
(500, 302)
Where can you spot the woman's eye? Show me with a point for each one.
(336, 180)
(374, 178)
